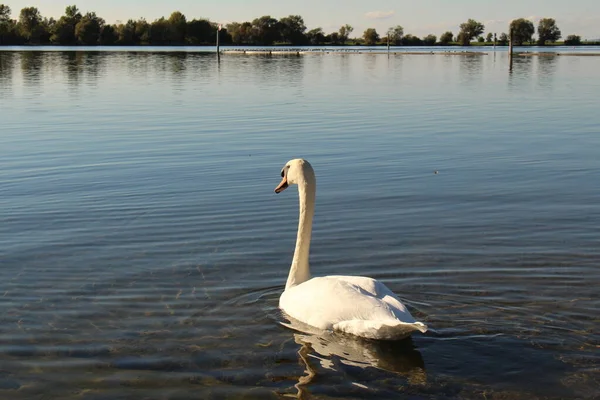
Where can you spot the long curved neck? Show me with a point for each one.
(300, 269)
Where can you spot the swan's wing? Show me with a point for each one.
(381, 291)
(326, 301)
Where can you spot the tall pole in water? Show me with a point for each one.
(218, 52)
(388, 43)
(510, 50)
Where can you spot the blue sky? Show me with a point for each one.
(419, 17)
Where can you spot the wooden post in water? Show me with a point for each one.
(218, 51)
(388, 43)
(495, 41)
(510, 50)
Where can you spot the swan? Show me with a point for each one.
(356, 305)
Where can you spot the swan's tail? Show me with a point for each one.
(386, 330)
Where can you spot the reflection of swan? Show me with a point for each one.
(330, 348)
(353, 304)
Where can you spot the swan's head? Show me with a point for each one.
(295, 172)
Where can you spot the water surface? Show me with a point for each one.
(142, 250)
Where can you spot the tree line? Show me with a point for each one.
(75, 28)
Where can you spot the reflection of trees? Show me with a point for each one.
(471, 66)
(173, 66)
(371, 63)
(79, 64)
(345, 68)
(546, 67)
(520, 77)
(138, 62)
(93, 62)
(31, 66)
(7, 62)
(178, 63)
(522, 65)
(281, 70)
(177, 66)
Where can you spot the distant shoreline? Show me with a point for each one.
(524, 51)
(335, 46)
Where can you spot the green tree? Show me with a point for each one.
(489, 38)
(142, 31)
(238, 31)
(5, 23)
(241, 33)
(503, 39)
(469, 30)
(87, 30)
(548, 31)
(573, 40)
(160, 32)
(224, 35)
(292, 30)
(395, 34)
(481, 39)
(370, 36)
(108, 35)
(126, 33)
(178, 25)
(344, 33)
(316, 36)
(265, 30)
(446, 38)
(72, 12)
(411, 40)
(333, 38)
(201, 31)
(4, 13)
(522, 31)
(430, 40)
(64, 29)
(31, 25)
(234, 30)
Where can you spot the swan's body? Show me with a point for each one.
(353, 304)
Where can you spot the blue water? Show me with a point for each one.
(142, 250)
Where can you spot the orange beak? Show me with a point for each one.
(282, 185)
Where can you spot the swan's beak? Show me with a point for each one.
(282, 185)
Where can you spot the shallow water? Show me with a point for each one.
(142, 250)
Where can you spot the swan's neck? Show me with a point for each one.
(300, 270)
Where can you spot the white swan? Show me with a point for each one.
(356, 305)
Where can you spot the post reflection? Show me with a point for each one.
(519, 79)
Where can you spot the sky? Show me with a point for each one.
(418, 17)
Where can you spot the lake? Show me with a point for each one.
(143, 251)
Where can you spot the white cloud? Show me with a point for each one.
(379, 14)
